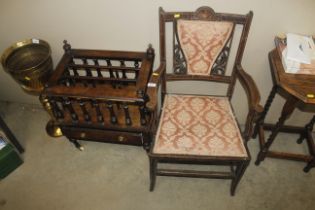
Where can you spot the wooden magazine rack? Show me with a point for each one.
(100, 95)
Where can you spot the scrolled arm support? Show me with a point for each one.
(152, 92)
(253, 97)
(153, 86)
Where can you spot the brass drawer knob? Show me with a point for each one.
(121, 138)
(82, 135)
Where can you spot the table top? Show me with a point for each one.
(301, 86)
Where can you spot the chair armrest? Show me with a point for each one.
(153, 86)
(250, 88)
(253, 96)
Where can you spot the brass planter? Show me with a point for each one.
(30, 64)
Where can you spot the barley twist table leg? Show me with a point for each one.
(287, 110)
(261, 119)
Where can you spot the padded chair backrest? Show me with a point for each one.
(202, 43)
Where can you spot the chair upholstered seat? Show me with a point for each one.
(198, 125)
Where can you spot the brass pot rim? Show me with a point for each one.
(20, 44)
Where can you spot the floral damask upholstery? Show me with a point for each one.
(202, 42)
(198, 125)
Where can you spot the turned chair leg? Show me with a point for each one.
(153, 167)
(240, 170)
(146, 145)
(77, 144)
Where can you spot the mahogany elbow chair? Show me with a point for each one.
(201, 129)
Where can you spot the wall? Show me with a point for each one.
(131, 25)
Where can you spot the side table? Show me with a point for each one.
(296, 88)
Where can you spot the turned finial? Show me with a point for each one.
(150, 51)
(66, 47)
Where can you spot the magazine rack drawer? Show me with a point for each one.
(103, 135)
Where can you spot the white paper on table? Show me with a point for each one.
(300, 48)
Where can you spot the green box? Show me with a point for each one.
(9, 160)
